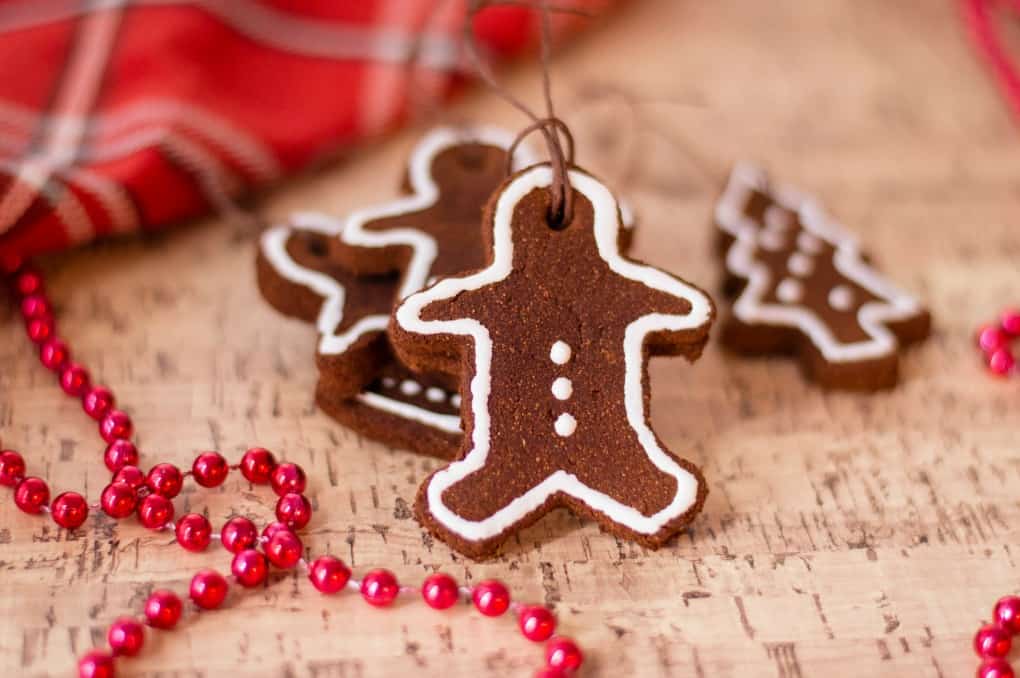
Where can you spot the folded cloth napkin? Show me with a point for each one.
(117, 116)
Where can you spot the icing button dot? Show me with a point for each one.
(771, 240)
(455, 400)
(435, 395)
(809, 243)
(841, 298)
(560, 353)
(800, 264)
(389, 382)
(562, 388)
(565, 425)
(789, 291)
(410, 387)
(777, 218)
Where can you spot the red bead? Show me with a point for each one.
(491, 598)
(379, 588)
(116, 425)
(208, 589)
(549, 672)
(54, 355)
(97, 402)
(272, 528)
(992, 642)
(120, 453)
(284, 549)
(238, 534)
(329, 574)
(40, 330)
(131, 476)
(35, 306)
(210, 469)
(991, 338)
(155, 512)
(440, 591)
(165, 480)
(1007, 614)
(193, 532)
(1011, 321)
(12, 468)
(31, 495)
(163, 609)
(293, 510)
(28, 281)
(287, 478)
(249, 568)
(563, 653)
(995, 668)
(257, 465)
(126, 637)
(75, 380)
(537, 623)
(69, 510)
(1001, 362)
(118, 500)
(96, 664)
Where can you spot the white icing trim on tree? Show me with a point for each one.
(750, 308)
(444, 422)
(606, 229)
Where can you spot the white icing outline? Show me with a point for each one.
(750, 308)
(606, 227)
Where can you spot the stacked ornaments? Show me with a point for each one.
(482, 321)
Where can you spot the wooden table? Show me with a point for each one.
(845, 535)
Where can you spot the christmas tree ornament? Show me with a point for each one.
(996, 343)
(801, 285)
(551, 341)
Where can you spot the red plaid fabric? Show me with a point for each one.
(117, 116)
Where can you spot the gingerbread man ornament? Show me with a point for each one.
(552, 340)
(801, 285)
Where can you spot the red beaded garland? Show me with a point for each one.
(75, 380)
(210, 469)
(35, 306)
(284, 549)
(115, 425)
(379, 588)
(329, 574)
(995, 340)
(163, 609)
(257, 465)
(536, 623)
(118, 500)
(288, 478)
(131, 476)
(249, 568)
(992, 642)
(440, 591)
(31, 495)
(126, 637)
(96, 664)
(28, 281)
(294, 510)
(120, 453)
(155, 512)
(995, 668)
(165, 480)
(491, 598)
(1010, 321)
(208, 589)
(194, 532)
(272, 528)
(40, 330)
(563, 653)
(69, 510)
(54, 354)
(238, 534)
(12, 468)
(97, 403)
(1007, 614)
(550, 672)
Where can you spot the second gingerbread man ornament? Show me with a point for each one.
(551, 341)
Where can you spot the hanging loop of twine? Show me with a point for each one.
(561, 209)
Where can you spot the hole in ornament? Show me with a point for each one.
(472, 159)
(316, 244)
(555, 219)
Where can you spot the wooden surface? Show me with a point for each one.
(845, 535)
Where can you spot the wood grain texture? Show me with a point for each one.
(845, 535)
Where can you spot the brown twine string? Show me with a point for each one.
(561, 208)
